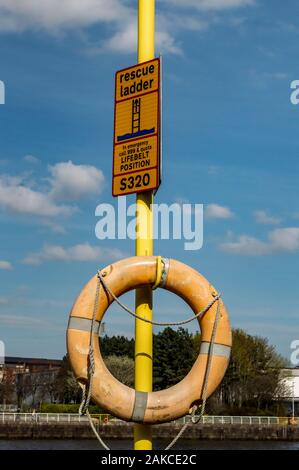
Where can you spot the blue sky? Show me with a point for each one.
(230, 142)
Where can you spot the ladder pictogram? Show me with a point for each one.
(136, 115)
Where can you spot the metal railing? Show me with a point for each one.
(49, 418)
(8, 408)
(104, 418)
(259, 420)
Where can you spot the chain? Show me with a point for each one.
(198, 315)
(196, 420)
(87, 390)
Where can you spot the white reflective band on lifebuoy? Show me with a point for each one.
(139, 406)
(107, 391)
(83, 324)
(165, 269)
(218, 349)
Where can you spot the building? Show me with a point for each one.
(27, 381)
(290, 390)
(28, 364)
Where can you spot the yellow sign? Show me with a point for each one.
(136, 153)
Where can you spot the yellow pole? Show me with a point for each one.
(144, 247)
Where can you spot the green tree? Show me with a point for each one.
(7, 387)
(117, 346)
(252, 380)
(251, 384)
(67, 388)
(122, 367)
(173, 357)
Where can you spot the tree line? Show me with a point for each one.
(251, 384)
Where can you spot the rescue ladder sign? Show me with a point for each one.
(136, 143)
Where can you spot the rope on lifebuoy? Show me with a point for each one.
(88, 365)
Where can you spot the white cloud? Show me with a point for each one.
(55, 227)
(165, 42)
(18, 198)
(215, 211)
(282, 240)
(3, 301)
(81, 252)
(182, 22)
(67, 182)
(71, 182)
(124, 40)
(5, 265)
(211, 4)
(213, 170)
(278, 75)
(57, 15)
(245, 245)
(167, 23)
(262, 217)
(22, 321)
(31, 159)
(262, 79)
(285, 239)
(60, 16)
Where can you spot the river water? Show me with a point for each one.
(125, 444)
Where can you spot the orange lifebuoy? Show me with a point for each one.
(118, 399)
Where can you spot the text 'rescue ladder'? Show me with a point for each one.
(136, 145)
